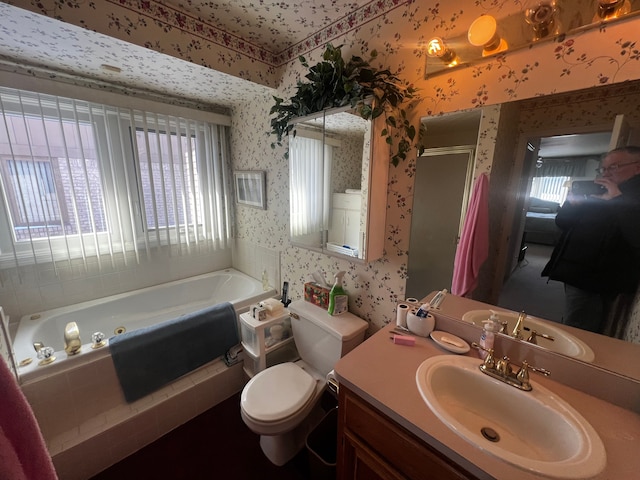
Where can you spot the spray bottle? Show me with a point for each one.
(338, 298)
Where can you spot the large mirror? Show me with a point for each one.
(529, 152)
(334, 186)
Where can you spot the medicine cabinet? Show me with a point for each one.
(338, 171)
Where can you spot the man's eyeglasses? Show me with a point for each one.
(613, 168)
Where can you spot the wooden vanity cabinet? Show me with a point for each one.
(371, 446)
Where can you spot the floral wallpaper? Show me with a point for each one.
(235, 43)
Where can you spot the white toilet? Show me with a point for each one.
(281, 403)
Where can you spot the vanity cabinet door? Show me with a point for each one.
(372, 446)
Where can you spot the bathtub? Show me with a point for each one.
(126, 312)
(78, 401)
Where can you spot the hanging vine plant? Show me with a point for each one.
(336, 83)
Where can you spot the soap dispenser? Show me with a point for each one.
(487, 336)
(338, 299)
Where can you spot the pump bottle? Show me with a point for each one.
(487, 336)
(338, 299)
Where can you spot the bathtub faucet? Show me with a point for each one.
(72, 342)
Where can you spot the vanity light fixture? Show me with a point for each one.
(436, 48)
(608, 9)
(483, 32)
(542, 16)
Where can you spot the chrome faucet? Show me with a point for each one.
(72, 342)
(503, 371)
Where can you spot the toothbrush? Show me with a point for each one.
(438, 298)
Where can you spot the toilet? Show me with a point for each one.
(281, 403)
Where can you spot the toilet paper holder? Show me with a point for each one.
(333, 385)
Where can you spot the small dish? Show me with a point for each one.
(450, 342)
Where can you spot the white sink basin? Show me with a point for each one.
(538, 431)
(563, 343)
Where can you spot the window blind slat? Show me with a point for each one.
(114, 187)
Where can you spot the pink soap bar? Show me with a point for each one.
(403, 340)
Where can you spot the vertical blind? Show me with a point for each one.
(81, 179)
(310, 162)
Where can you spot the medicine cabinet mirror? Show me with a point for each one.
(338, 179)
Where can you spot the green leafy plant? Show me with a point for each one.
(369, 91)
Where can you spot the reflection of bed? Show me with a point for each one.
(540, 223)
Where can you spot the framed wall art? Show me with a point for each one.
(250, 188)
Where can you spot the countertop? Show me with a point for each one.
(383, 374)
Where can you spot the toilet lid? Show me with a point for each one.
(277, 392)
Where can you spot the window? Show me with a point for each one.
(81, 179)
(553, 189)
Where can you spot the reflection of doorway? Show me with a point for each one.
(439, 202)
(549, 169)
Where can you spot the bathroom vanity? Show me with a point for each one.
(386, 430)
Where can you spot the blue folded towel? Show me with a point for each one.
(148, 358)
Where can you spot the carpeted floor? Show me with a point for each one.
(527, 290)
(214, 445)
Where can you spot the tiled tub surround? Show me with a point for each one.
(82, 412)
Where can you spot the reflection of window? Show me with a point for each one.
(309, 170)
(75, 181)
(552, 189)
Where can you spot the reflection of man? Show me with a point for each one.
(598, 254)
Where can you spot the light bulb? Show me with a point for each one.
(436, 48)
(608, 9)
(483, 32)
(542, 16)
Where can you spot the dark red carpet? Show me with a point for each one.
(214, 445)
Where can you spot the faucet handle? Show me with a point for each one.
(504, 327)
(523, 374)
(534, 335)
(489, 360)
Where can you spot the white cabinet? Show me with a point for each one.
(344, 225)
(267, 342)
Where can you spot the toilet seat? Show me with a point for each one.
(277, 393)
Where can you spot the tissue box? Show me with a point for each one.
(317, 294)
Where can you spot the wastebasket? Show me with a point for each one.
(322, 444)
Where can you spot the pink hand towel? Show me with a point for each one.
(473, 248)
(23, 453)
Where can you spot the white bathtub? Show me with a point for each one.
(126, 312)
(78, 401)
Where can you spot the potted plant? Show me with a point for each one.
(369, 91)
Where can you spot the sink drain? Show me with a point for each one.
(490, 434)
(119, 330)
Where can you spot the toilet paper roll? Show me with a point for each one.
(412, 301)
(401, 314)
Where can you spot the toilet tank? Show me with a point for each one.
(322, 339)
